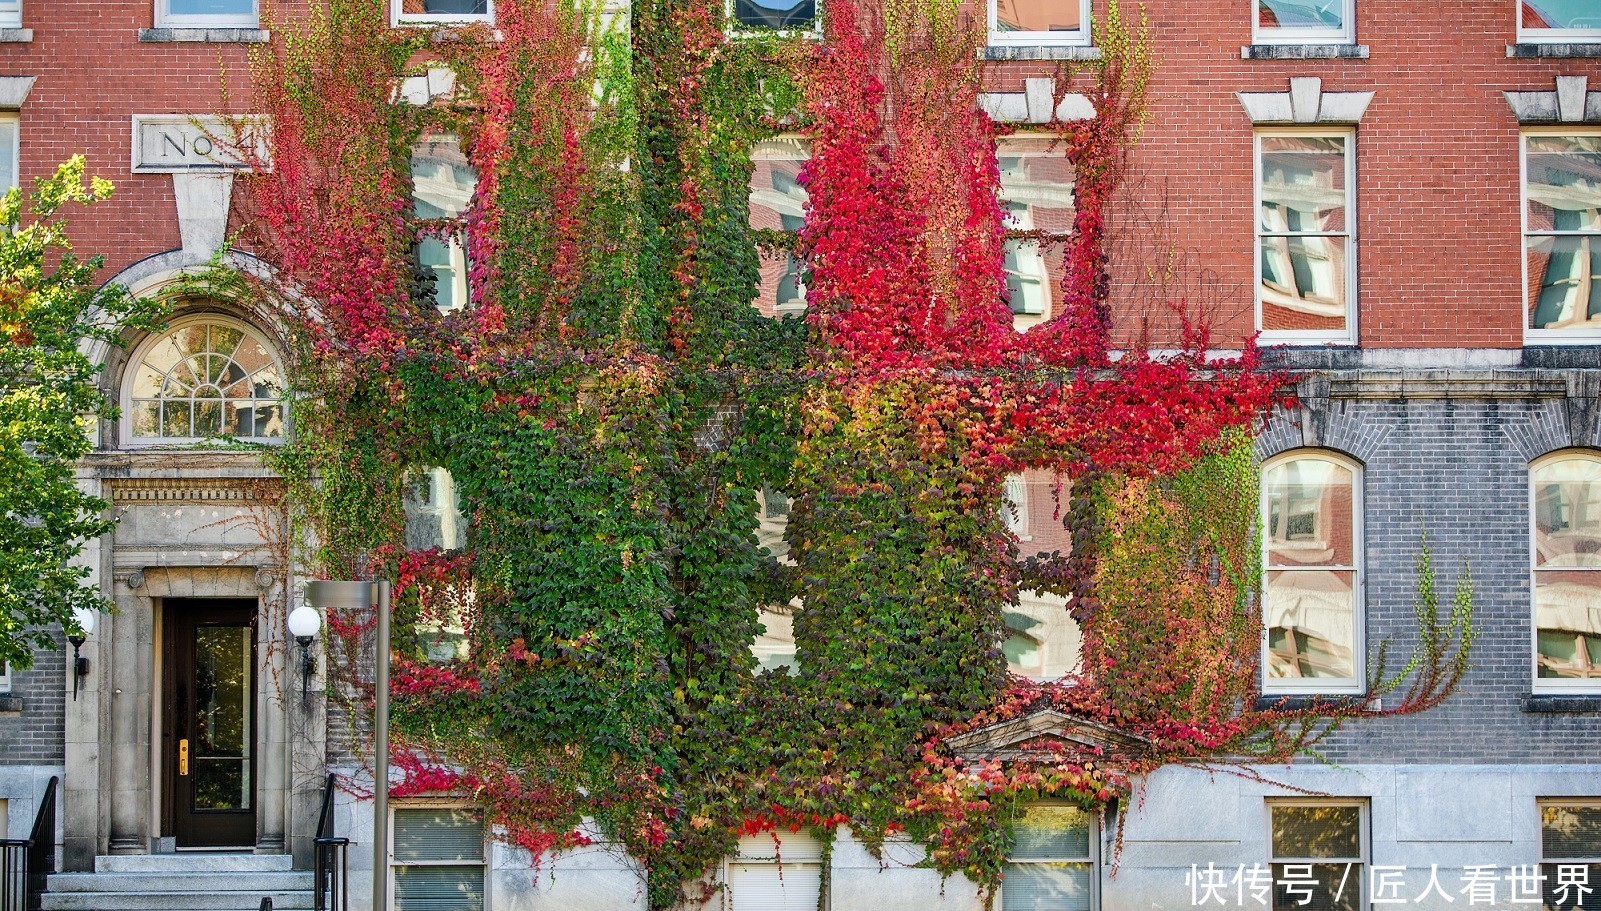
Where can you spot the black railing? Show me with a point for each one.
(330, 882)
(26, 863)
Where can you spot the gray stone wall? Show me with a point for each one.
(1447, 452)
(32, 715)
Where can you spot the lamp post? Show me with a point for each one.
(354, 596)
(85, 619)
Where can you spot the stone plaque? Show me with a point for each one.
(184, 143)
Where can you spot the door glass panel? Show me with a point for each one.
(220, 755)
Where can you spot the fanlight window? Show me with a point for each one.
(205, 378)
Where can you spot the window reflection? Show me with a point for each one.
(1567, 567)
(1310, 586)
(782, 15)
(206, 378)
(1036, 195)
(1038, 15)
(1304, 233)
(1563, 193)
(1561, 14)
(778, 203)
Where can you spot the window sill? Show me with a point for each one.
(1549, 702)
(1297, 702)
(1039, 52)
(16, 35)
(206, 35)
(1304, 52)
(1532, 50)
(9, 703)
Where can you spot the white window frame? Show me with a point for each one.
(1365, 842)
(398, 18)
(5, 685)
(1356, 684)
(1094, 859)
(1551, 36)
(10, 13)
(1587, 336)
(13, 179)
(125, 435)
(1552, 684)
(1348, 335)
(1345, 35)
(804, 861)
(1080, 38)
(165, 18)
(437, 804)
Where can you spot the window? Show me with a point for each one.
(442, 185)
(431, 12)
(1305, 22)
(9, 143)
(1043, 641)
(1036, 195)
(1306, 236)
(10, 17)
(1562, 235)
(1312, 580)
(206, 377)
(433, 511)
(774, 15)
(5, 687)
(1570, 853)
(436, 859)
(776, 871)
(778, 203)
(775, 642)
(1052, 864)
(1559, 20)
(206, 13)
(1039, 22)
(1319, 854)
(1566, 559)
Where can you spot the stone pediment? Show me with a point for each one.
(1049, 730)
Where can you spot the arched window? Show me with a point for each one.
(1312, 579)
(1566, 566)
(207, 376)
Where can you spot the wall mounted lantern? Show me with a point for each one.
(304, 624)
(85, 618)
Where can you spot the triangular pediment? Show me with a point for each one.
(1047, 732)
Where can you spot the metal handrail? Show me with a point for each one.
(26, 863)
(330, 883)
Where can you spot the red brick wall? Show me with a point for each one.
(1439, 240)
(1437, 154)
(93, 74)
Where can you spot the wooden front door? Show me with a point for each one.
(209, 722)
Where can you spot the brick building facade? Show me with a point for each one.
(1450, 375)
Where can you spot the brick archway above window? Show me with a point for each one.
(1304, 103)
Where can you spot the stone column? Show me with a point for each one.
(129, 676)
(277, 683)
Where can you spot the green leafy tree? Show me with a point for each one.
(52, 311)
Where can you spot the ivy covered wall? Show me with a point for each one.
(610, 405)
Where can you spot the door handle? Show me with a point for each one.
(183, 757)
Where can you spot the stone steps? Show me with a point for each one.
(182, 882)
